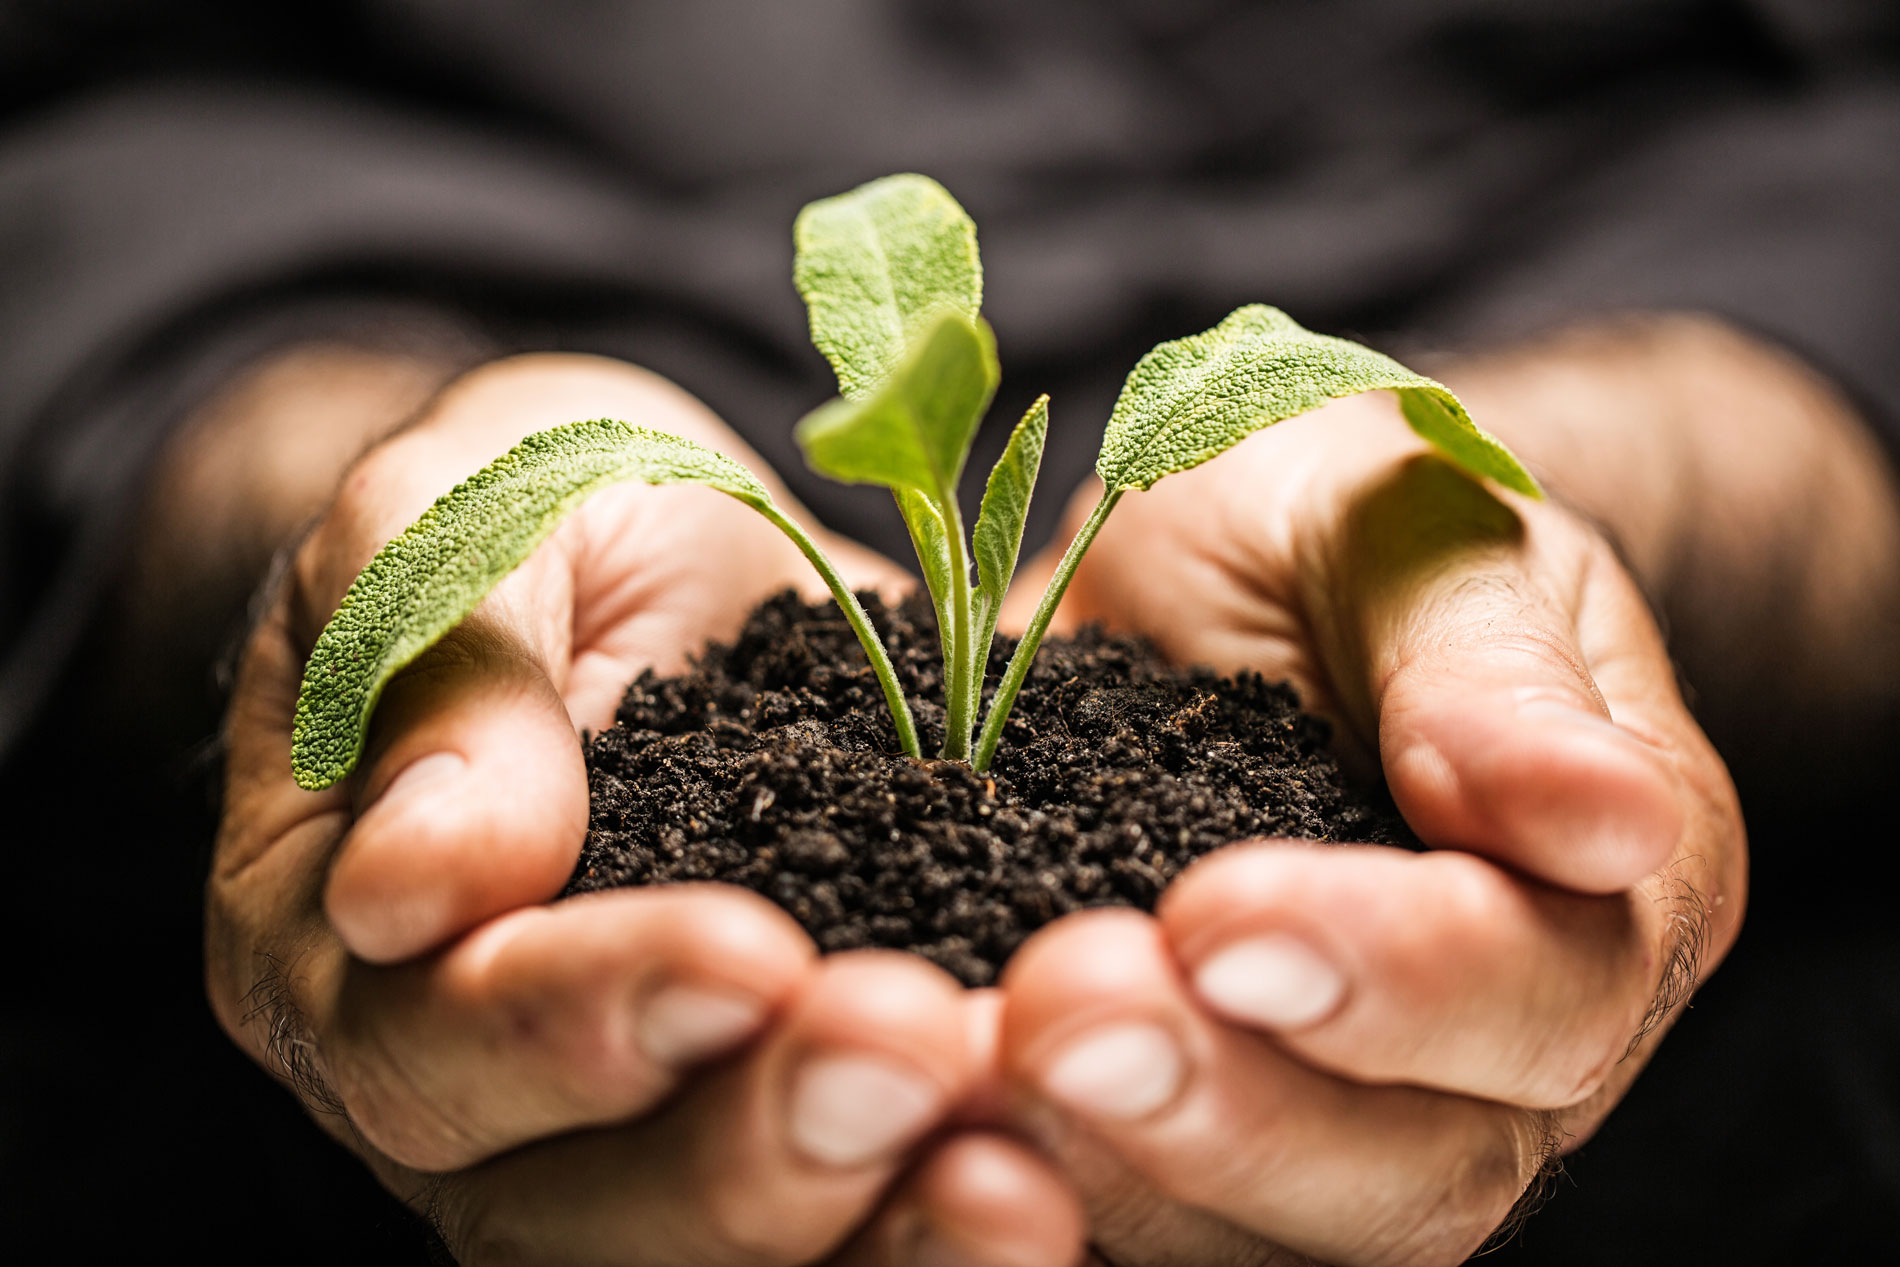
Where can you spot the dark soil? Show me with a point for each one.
(773, 763)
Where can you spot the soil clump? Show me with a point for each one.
(773, 763)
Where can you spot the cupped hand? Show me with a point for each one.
(1358, 1054)
(666, 1075)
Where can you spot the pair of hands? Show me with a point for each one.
(1352, 1054)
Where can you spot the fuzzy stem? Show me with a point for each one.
(860, 624)
(959, 710)
(1005, 697)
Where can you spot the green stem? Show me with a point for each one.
(860, 624)
(1005, 697)
(959, 711)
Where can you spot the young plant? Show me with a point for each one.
(890, 275)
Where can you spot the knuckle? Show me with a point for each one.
(575, 1031)
(587, 1060)
(1587, 1067)
(1474, 1197)
(360, 498)
(1574, 1061)
(1472, 893)
(1469, 922)
(394, 1112)
(372, 475)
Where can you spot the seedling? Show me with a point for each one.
(890, 275)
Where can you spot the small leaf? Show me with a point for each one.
(999, 521)
(1194, 398)
(998, 537)
(423, 583)
(875, 265)
(931, 540)
(916, 430)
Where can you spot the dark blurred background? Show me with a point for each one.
(187, 187)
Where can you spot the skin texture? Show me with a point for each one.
(491, 1058)
(499, 1063)
(1495, 657)
(1489, 653)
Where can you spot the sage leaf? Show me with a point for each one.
(915, 430)
(430, 577)
(875, 265)
(1191, 399)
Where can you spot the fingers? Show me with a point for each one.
(776, 1158)
(978, 1199)
(1492, 729)
(1438, 970)
(475, 799)
(1101, 1030)
(555, 1018)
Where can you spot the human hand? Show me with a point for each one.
(1359, 1054)
(642, 1076)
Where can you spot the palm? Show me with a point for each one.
(385, 945)
(1434, 1020)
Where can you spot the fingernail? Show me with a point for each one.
(1119, 1071)
(849, 1110)
(419, 776)
(683, 1024)
(1275, 980)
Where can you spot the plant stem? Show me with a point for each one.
(1005, 697)
(959, 708)
(860, 624)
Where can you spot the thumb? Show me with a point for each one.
(474, 801)
(1493, 730)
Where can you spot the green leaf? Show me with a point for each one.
(423, 583)
(998, 537)
(875, 266)
(915, 431)
(1194, 398)
(999, 521)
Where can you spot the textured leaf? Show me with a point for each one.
(1005, 508)
(875, 265)
(915, 431)
(1194, 398)
(423, 583)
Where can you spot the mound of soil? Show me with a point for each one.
(773, 764)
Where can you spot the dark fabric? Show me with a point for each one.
(182, 184)
(622, 177)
